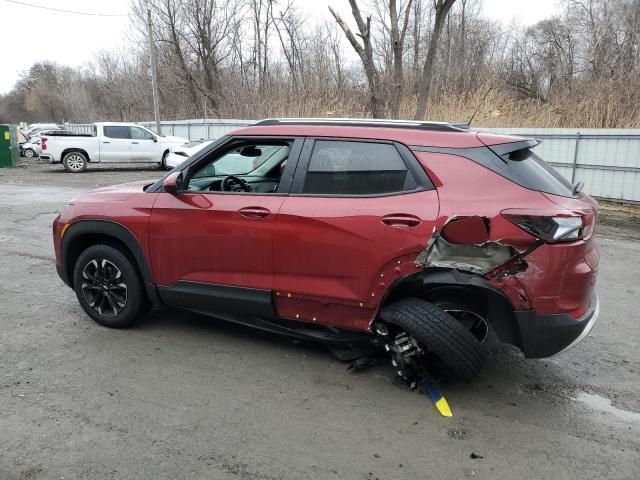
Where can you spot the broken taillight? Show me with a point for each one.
(552, 227)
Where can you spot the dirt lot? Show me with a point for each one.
(184, 396)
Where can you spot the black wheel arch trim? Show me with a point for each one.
(112, 229)
(500, 311)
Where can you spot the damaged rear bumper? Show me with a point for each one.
(545, 335)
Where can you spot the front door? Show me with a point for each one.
(144, 147)
(211, 247)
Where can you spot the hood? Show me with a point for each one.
(176, 140)
(112, 193)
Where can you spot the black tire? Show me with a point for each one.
(29, 153)
(442, 335)
(125, 305)
(75, 162)
(163, 162)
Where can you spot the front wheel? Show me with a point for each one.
(421, 336)
(163, 162)
(108, 287)
(29, 153)
(75, 162)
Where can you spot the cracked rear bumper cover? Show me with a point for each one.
(545, 335)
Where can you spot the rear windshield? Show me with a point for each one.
(529, 170)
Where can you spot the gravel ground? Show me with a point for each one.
(184, 396)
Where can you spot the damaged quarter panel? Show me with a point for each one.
(569, 269)
(485, 195)
(558, 279)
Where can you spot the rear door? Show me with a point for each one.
(357, 208)
(115, 143)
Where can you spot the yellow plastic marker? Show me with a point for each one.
(443, 407)
(438, 399)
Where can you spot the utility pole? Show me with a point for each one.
(154, 80)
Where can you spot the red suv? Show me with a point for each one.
(414, 237)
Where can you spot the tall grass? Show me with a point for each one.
(593, 104)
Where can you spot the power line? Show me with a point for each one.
(66, 11)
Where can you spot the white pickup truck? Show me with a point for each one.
(110, 142)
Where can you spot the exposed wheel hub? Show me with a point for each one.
(405, 351)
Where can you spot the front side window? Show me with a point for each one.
(356, 168)
(116, 131)
(258, 166)
(138, 133)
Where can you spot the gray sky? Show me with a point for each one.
(35, 34)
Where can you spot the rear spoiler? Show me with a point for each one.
(507, 148)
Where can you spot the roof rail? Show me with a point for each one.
(364, 122)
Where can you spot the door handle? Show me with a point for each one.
(106, 142)
(134, 143)
(254, 212)
(401, 220)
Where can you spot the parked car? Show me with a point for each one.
(34, 133)
(34, 127)
(53, 131)
(416, 238)
(110, 142)
(179, 154)
(31, 148)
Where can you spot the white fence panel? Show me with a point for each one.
(606, 160)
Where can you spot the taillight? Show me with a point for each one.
(552, 226)
(43, 142)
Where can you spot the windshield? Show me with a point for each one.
(242, 160)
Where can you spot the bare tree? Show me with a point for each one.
(441, 8)
(398, 35)
(259, 58)
(365, 52)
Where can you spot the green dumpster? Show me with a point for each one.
(9, 148)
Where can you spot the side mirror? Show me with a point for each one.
(173, 183)
(155, 139)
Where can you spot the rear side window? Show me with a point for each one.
(530, 171)
(526, 168)
(116, 132)
(356, 168)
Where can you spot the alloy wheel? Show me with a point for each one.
(104, 288)
(75, 162)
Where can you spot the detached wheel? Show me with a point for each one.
(75, 162)
(108, 287)
(422, 336)
(29, 153)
